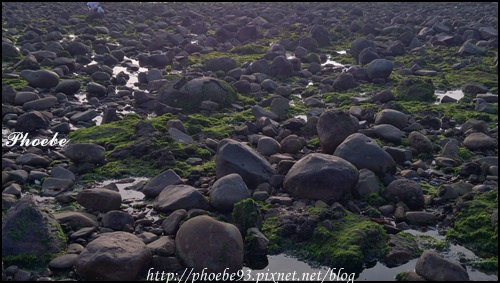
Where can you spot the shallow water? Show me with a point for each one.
(329, 61)
(456, 94)
(132, 74)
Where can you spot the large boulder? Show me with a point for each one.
(164, 179)
(227, 191)
(321, 176)
(85, 152)
(189, 95)
(364, 152)
(249, 32)
(480, 141)
(175, 197)
(420, 142)
(392, 117)
(32, 121)
(334, 127)
(379, 69)
(281, 68)
(433, 267)
(203, 242)
(30, 230)
(236, 157)
(103, 200)
(367, 55)
(115, 256)
(344, 82)
(389, 133)
(41, 78)
(358, 45)
(407, 191)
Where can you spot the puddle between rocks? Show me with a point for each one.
(455, 94)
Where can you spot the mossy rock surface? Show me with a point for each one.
(414, 89)
(30, 235)
(327, 236)
(189, 95)
(476, 222)
(249, 49)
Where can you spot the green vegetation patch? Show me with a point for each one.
(460, 112)
(415, 89)
(247, 49)
(129, 154)
(475, 224)
(341, 239)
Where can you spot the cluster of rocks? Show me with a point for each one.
(269, 158)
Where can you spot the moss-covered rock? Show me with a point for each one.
(189, 95)
(414, 89)
(30, 235)
(249, 49)
(246, 214)
(340, 238)
(476, 221)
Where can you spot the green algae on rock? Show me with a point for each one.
(476, 222)
(31, 236)
(330, 236)
(189, 95)
(414, 89)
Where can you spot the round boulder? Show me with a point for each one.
(392, 117)
(227, 191)
(199, 249)
(85, 152)
(321, 176)
(480, 141)
(68, 87)
(379, 69)
(433, 267)
(407, 191)
(420, 142)
(189, 95)
(115, 256)
(31, 121)
(221, 64)
(364, 152)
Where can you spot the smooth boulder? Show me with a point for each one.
(203, 242)
(321, 176)
(236, 157)
(364, 152)
(433, 267)
(227, 191)
(115, 256)
(41, 78)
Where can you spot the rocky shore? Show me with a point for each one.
(184, 136)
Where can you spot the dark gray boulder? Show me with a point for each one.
(30, 230)
(321, 176)
(364, 152)
(334, 127)
(236, 157)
